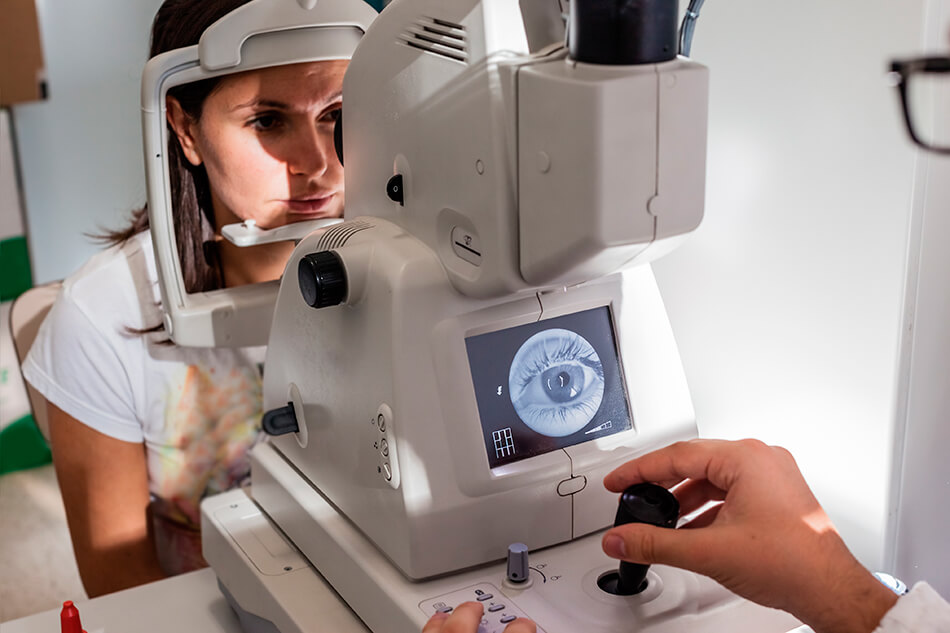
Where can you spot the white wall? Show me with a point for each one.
(81, 150)
(787, 302)
(11, 214)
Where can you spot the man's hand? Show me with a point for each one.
(763, 534)
(466, 618)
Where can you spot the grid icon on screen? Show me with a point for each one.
(504, 442)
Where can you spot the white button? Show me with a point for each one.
(544, 162)
(571, 486)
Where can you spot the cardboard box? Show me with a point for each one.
(22, 70)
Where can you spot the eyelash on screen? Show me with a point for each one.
(570, 351)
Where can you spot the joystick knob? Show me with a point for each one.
(640, 503)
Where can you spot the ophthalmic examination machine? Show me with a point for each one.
(453, 368)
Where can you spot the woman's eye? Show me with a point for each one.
(265, 122)
(556, 382)
(332, 115)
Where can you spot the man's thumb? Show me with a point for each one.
(643, 543)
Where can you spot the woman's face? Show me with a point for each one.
(265, 138)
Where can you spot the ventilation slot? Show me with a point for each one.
(338, 234)
(439, 37)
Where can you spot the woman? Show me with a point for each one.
(142, 429)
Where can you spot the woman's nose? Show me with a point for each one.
(310, 152)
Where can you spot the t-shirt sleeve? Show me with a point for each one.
(80, 368)
(922, 610)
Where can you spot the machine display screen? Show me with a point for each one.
(547, 385)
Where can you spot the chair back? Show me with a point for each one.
(26, 315)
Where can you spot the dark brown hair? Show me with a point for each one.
(180, 23)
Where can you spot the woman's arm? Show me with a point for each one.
(104, 483)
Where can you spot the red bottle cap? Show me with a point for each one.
(69, 618)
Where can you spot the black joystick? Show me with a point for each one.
(640, 503)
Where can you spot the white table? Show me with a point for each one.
(190, 603)
(182, 604)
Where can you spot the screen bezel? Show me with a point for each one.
(473, 473)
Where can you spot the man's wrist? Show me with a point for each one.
(858, 603)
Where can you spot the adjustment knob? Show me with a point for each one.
(280, 421)
(322, 279)
(518, 563)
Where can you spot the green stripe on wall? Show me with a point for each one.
(22, 446)
(16, 277)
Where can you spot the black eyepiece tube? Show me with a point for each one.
(623, 32)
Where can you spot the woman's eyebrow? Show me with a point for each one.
(280, 105)
(257, 103)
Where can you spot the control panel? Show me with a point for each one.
(499, 610)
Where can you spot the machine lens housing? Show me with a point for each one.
(623, 32)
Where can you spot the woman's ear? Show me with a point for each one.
(185, 129)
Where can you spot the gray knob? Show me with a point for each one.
(518, 562)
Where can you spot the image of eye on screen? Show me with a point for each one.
(547, 385)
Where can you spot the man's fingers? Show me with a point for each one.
(521, 625)
(676, 462)
(434, 625)
(464, 619)
(715, 460)
(693, 494)
(703, 519)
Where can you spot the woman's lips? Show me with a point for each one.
(310, 206)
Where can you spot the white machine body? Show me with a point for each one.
(389, 411)
(520, 170)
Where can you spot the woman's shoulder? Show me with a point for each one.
(129, 262)
(119, 282)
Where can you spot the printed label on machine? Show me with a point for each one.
(547, 385)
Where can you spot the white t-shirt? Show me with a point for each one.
(197, 410)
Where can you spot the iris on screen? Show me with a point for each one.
(556, 382)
